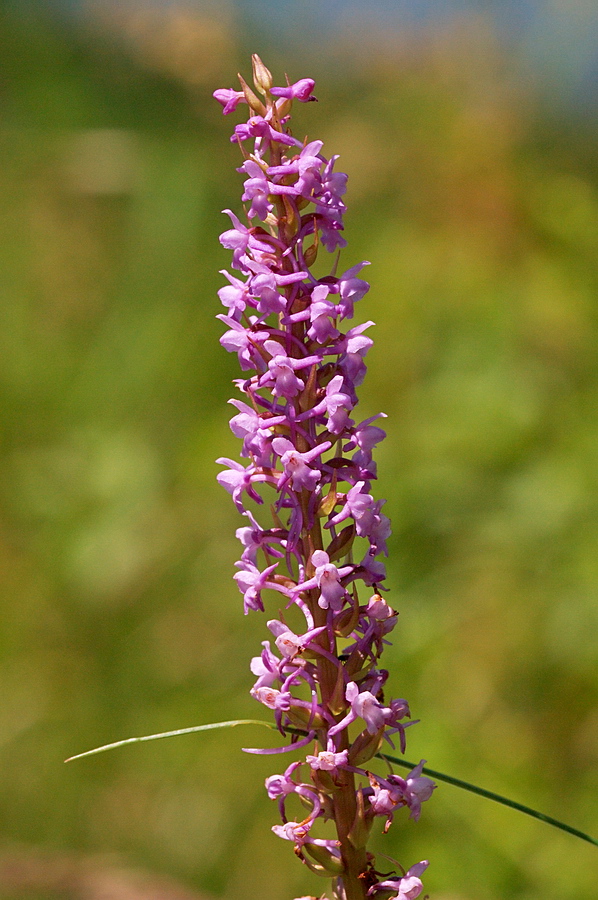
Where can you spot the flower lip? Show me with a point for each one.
(301, 90)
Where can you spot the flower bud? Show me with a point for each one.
(262, 77)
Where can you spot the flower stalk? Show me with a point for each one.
(312, 463)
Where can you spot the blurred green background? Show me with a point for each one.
(477, 206)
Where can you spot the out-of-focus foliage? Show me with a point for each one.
(119, 615)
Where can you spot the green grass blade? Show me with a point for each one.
(490, 795)
(166, 734)
(439, 776)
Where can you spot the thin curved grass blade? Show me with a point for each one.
(490, 795)
(166, 734)
(433, 773)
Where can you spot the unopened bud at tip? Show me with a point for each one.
(262, 77)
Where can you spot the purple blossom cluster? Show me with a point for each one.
(311, 461)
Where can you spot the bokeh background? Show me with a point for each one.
(469, 131)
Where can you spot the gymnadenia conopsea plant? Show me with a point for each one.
(314, 532)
